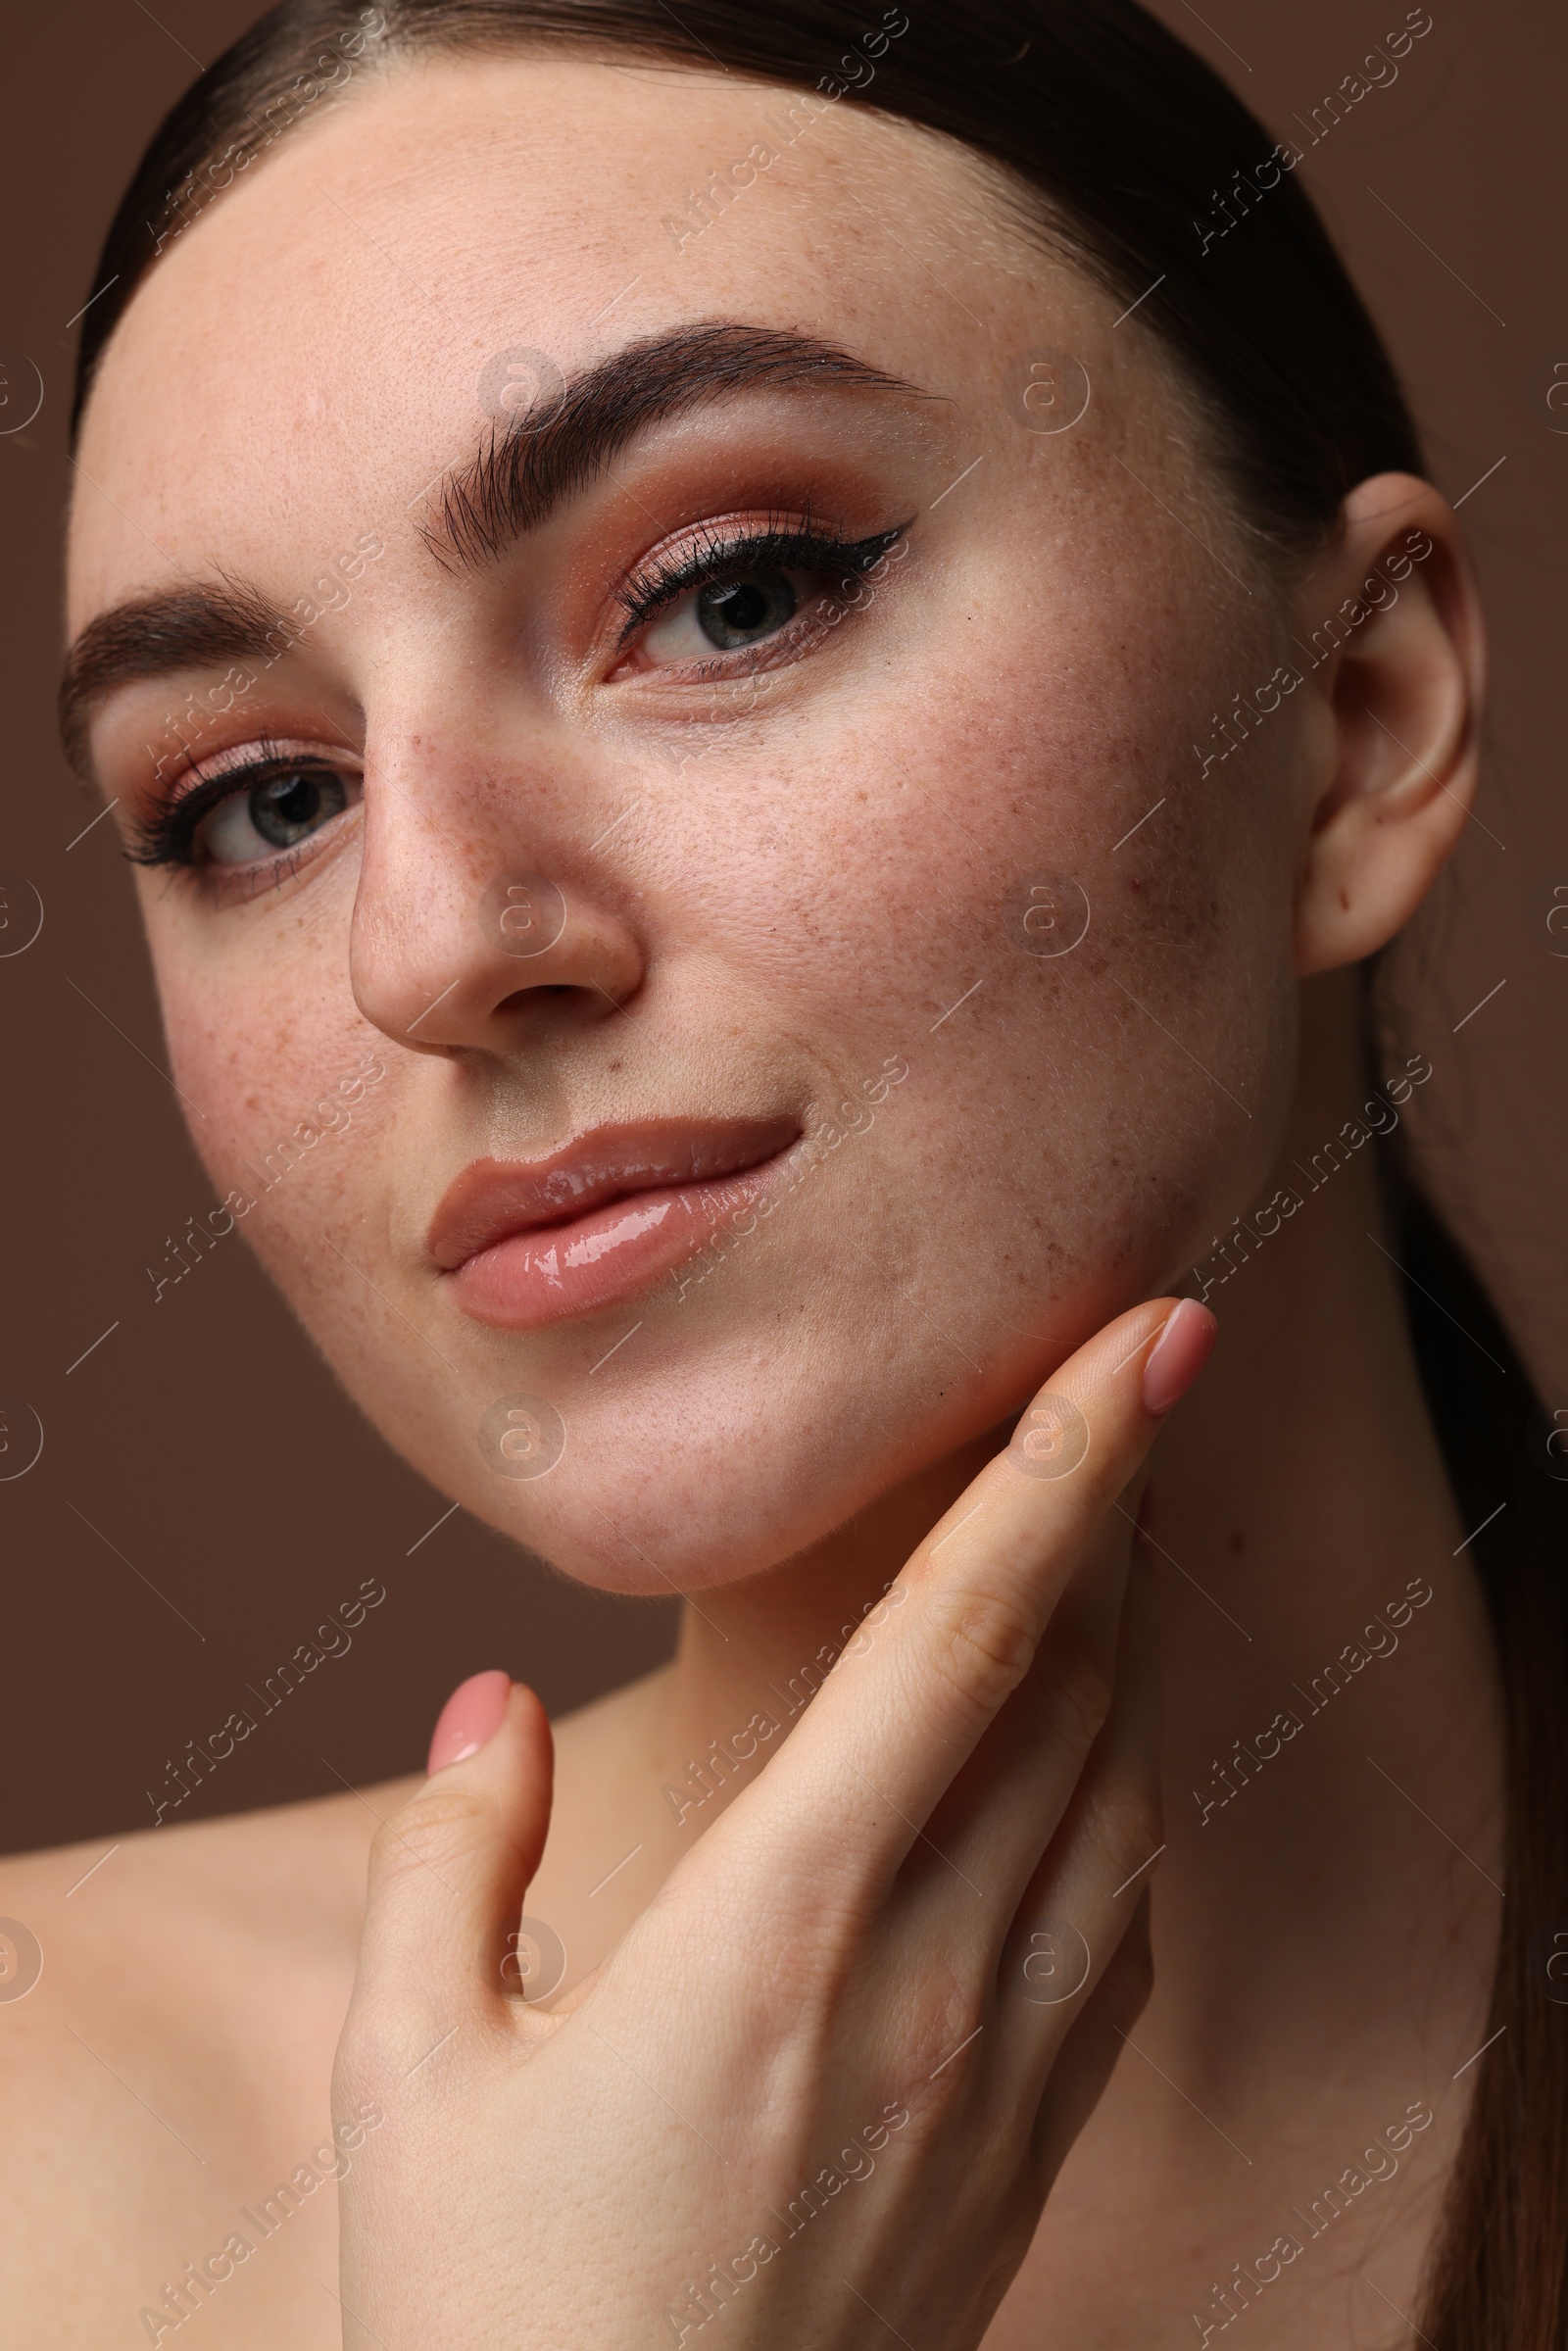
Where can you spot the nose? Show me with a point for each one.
(473, 931)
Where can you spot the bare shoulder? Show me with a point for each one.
(184, 1913)
(169, 2009)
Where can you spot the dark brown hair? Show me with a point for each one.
(1136, 158)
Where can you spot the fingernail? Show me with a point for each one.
(470, 1717)
(1179, 1354)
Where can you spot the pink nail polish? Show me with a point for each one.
(470, 1717)
(1179, 1354)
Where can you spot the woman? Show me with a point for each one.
(809, 659)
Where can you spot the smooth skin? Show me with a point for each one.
(809, 866)
(908, 1923)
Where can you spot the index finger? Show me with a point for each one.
(900, 1712)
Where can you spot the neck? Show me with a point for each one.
(1332, 1713)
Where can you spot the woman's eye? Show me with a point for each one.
(276, 814)
(727, 614)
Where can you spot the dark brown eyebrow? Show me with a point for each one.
(521, 473)
(524, 469)
(157, 635)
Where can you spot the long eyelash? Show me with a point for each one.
(801, 546)
(166, 835)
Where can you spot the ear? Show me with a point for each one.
(1392, 621)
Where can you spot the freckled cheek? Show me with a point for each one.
(974, 847)
(1051, 1031)
(256, 1044)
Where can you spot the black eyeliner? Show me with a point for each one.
(166, 834)
(799, 547)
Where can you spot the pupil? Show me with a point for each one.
(288, 807)
(736, 612)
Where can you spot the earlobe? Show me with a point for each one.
(1391, 620)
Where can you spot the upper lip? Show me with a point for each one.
(493, 1199)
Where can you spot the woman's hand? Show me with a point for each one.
(823, 2085)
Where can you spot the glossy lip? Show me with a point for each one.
(532, 1241)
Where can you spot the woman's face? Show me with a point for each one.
(644, 1018)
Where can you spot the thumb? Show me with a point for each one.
(447, 1872)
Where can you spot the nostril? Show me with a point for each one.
(523, 999)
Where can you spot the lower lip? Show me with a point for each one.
(555, 1271)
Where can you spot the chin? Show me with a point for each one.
(724, 1459)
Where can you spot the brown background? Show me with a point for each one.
(201, 1472)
